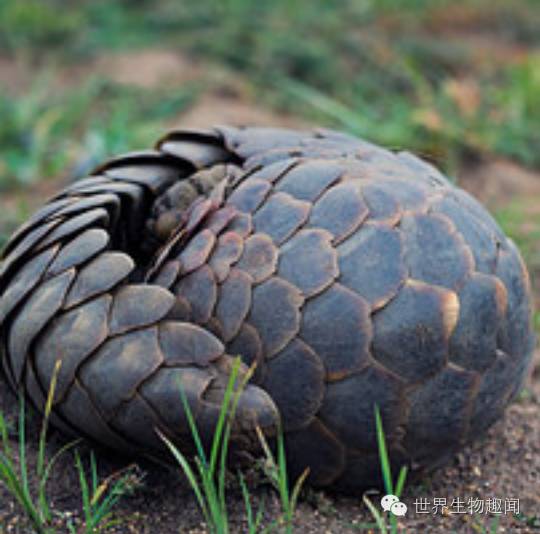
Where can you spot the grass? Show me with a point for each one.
(388, 70)
(389, 486)
(445, 120)
(520, 220)
(98, 497)
(208, 476)
(33, 503)
(276, 472)
(47, 130)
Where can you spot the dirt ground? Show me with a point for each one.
(504, 465)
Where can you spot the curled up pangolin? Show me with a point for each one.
(353, 276)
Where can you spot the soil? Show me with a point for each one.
(505, 464)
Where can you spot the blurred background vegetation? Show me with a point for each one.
(457, 82)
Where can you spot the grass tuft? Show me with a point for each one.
(276, 472)
(207, 479)
(389, 486)
(98, 497)
(207, 474)
(34, 504)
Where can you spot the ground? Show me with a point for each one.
(505, 464)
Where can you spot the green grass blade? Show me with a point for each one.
(188, 472)
(23, 466)
(103, 510)
(103, 507)
(100, 499)
(18, 487)
(247, 504)
(259, 516)
(283, 482)
(228, 427)
(217, 514)
(5, 436)
(223, 460)
(193, 427)
(93, 473)
(57, 455)
(34, 513)
(226, 403)
(46, 416)
(383, 453)
(254, 522)
(85, 495)
(277, 474)
(269, 457)
(41, 467)
(8, 474)
(7, 455)
(401, 481)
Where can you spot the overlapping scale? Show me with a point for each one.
(259, 257)
(308, 180)
(309, 261)
(281, 216)
(372, 263)
(72, 328)
(300, 396)
(343, 343)
(99, 276)
(25, 281)
(412, 332)
(234, 302)
(80, 249)
(275, 313)
(199, 288)
(121, 357)
(345, 199)
(36, 312)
